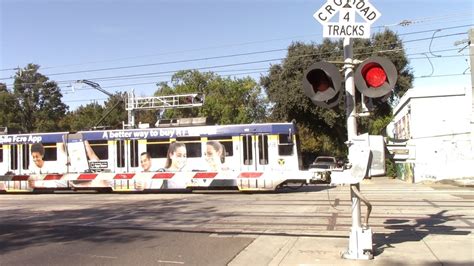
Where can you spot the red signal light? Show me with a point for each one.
(374, 75)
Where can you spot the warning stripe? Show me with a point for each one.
(205, 175)
(250, 174)
(163, 176)
(124, 176)
(20, 177)
(52, 177)
(87, 176)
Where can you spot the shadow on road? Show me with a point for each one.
(406, 231)
(15, 236)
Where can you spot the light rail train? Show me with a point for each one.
(256, 157)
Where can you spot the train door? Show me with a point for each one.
(127, 156)
(76, 153)
(3, 162)
(19, 158)
(254, 151)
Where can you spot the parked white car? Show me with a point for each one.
(324, 163)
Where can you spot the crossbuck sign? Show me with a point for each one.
(347, 25)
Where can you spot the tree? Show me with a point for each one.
(227, 101)
(8, 109)
(114, 109)
(283, 86)
(83, 118)
(38, 101)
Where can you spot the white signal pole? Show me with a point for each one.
(354, 251)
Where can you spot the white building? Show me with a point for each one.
(434, 132)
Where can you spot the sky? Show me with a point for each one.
(150, 40)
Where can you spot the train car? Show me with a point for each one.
(250, 147)
(257, 156)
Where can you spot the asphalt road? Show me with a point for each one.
(212, 228)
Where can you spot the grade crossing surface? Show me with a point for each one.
(227, 222)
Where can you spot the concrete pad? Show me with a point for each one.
(262, 251)
(451, 249)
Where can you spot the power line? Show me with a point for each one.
(225, 56)
(169, 62)
(170, 73)
(433, 76)
(86, 100)
(200, 59)
(408, 22)
(155, 82)
(443, 75)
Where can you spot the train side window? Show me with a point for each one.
(248, 149)
(285, 144)
(1, 153)
(14, 157)
(134, 156)
(263, 149)
(50, 152)
(227, 142)
(193, 146)
(121, 153)
(25, 154)
(157, 149)
(100, 148)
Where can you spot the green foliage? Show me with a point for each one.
(390, 168)
(378, 125)
(8, 109)
(115, 110)
(38, 103)
(227, 101)
(83, 118)
(110, 115)
(283, 86)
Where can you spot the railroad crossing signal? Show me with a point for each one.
(374, 78)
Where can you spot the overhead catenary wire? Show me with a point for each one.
(412, 21)
(249, 62)
(432, 76)
(222, 56)
(171, 72)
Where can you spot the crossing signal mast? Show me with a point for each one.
(134, 103)
(375, 77)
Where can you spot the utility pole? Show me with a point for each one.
(471, 59)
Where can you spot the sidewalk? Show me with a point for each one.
(432, 241)
(431, 250)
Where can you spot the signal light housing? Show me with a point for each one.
(322, 84)
(375, 77)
